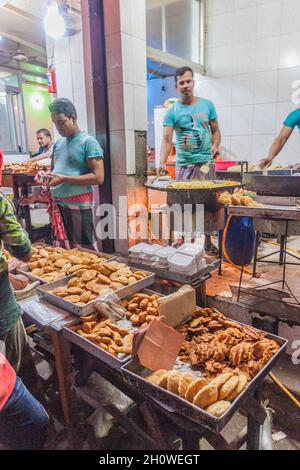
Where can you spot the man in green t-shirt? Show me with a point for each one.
(292, 121)
(16, 241)
(77, 165)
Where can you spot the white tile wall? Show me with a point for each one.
(253, 73)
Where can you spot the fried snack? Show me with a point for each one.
(88, 276)
(96, 286)
(104, 279)
(85, 297)
(173, 382)
(74, 299)
(116, 285)
(89, 318)
(239, 388)
(194, 388)
(74, 291)
(73, 282)
(118, 329)
(156, 376)
(206, 396)
(228, 387)
(185, 380)
(221, 379)
(219, 408)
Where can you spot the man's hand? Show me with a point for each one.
(296, 166)
(264, 163)
(214, 149)
(161, 171)
(55, 180)
(26, 201)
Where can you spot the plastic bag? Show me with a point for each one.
(102, 391)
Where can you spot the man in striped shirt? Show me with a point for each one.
(16, 241)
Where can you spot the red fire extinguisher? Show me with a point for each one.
(51, 77)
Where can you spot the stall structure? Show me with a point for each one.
(21, 183)
(77, 326)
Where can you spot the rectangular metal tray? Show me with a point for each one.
(96, 351)
(126, 291)
(133, 372)
(26, 272)
(172, 276)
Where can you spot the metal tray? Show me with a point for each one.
(178, 277)
(26, 272)
(133, 372)
(94, 349)
(126, 291)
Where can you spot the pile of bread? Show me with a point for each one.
(238, 198)
(141, 308)
(213, 396)
(91, 282)
(51, 264)
(105, 333)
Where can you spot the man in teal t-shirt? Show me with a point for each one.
(198, 137)
(77, 166)
(292, 121)
(195, 123)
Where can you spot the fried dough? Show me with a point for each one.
(206, 396)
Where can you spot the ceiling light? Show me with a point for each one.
(53, 22)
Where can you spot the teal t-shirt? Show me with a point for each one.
(70, 155)
(191, 125)
(293, 119)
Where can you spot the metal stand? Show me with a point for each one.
(283, 254)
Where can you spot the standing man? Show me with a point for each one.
(16, 241)
(45, 141)
(77, 166)
(292, 120)
(198, 136)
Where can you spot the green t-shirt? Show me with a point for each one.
(71, 156)
(293, 119)
(193, 133)
(16, 241)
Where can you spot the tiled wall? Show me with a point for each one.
(253, 57)
(67, 55)
(125, 37)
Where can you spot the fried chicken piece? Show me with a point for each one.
(183, 328)
(230, 324)
(213, 367)
(206, 337)
(198, 331)
(231, 337)
(242, 352)
(251, 334)
(267, 347)
(199, 321)
(250, 369)
(214, 325)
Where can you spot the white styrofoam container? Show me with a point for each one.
(182, 263)
(164, 253)
(194, 250)
(137, 249)
(150, 250)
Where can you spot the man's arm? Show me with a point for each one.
(165, 147)
(96, 176)
(277, 146)
(14, 238)
(37, 159)
(216, 136)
